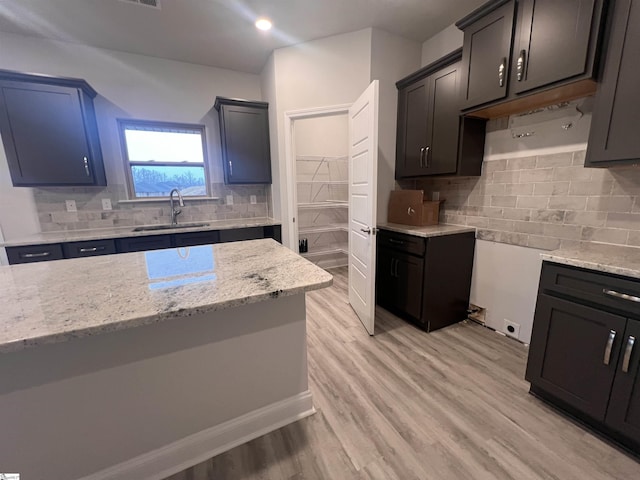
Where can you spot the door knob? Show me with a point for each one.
(366, 230)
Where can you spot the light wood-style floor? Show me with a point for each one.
(404, 404)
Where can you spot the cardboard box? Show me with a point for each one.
(408, 207)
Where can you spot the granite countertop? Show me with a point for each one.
(615, 259)
(51, 302)
(121, 232)
(430, 231)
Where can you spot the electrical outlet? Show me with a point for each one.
(106, 204)
(253, 199)
(435, 196)
(511, 329)
(229, 199)
(71, 205)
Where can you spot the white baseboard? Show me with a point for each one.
(184, 453)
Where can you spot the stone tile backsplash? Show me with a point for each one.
(52, 214)
(543, 202)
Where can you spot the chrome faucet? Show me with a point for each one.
(175, 211)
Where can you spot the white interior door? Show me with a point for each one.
(363, 182)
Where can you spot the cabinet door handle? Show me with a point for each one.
(520, 65)
(86, 166)
(426, 156)
(35, 255)
(92, 249)
(391, 271)
(230, 168)
(623, 296)
(396, 269)
(631, 341)
(609, 346)
(501, 71)
(422, 157)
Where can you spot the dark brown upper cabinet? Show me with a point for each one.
(549, 50)
(244, 133)
(432, 137)
(616, 113)
(49, 130)
(487, 53)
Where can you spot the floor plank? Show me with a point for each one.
(404, 404)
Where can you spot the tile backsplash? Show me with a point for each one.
(52, 214)
(544, 202)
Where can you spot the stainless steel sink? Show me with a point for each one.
(170, 227)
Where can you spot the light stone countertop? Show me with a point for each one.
(619, 260)
(430, 231)
(121, 232)
(51, 302)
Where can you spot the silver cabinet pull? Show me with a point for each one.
(422, 157)
(397, 242)
(230, 168)
(623, 296)
(86, 166)
(631, 341)
(501, 71)
(520, 65)
(391, 271)
(92, 249)
(607, 349)
(396, 269)
(36, 255)
(426, 156)
(366, 230)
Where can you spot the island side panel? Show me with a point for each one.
(71, 409)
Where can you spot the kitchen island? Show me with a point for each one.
(138, 365)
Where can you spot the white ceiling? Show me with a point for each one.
(220, 33)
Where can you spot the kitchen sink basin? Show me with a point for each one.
(170, 227)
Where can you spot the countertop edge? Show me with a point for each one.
(590, 265)
(449, 229)
(124, 232)
(19, 345)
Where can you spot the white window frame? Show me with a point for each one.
(123, 123)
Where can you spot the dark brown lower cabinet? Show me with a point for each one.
(583, 355)
(425, 280)
(90, 248)
(624, 416)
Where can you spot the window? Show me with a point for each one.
(162, 156)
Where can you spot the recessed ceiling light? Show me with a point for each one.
(263, 24)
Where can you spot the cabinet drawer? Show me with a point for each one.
(34, 253)
(602, 289)
(89, 249)
(239, 234)
(196, 238)
(401, 242)
(139, 244)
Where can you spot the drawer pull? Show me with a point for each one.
(631, 341)
(623, 296)
(396, 242)
(35, 255)
(501, 71)
(609, 347)
(92, 249)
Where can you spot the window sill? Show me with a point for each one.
(166, 199)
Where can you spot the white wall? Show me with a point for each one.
(441, 44)
(505, 282)
(322, 136)
(329, 71)
(128, 85)
(392, 58)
